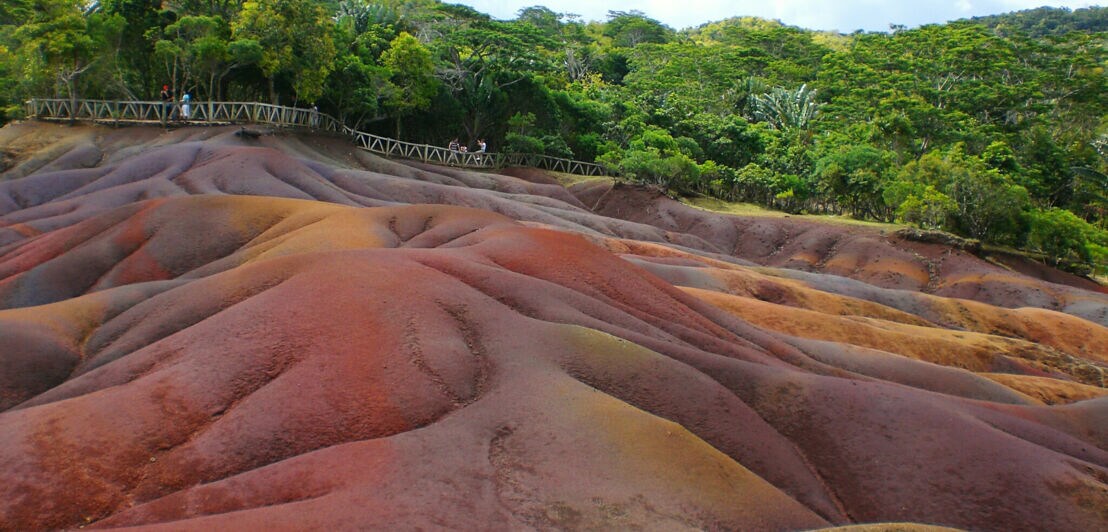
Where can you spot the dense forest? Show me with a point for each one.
(993, 128)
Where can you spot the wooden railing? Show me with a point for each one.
(281, 116)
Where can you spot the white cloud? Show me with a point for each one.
(843, 15)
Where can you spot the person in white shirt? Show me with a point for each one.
(185, 106)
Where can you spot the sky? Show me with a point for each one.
(842, 15)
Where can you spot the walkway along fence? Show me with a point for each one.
(281, 116)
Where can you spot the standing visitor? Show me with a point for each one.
(314, 119)
(167, 100)
(185, 106)
(452, 154)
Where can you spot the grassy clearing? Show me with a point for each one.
(750, 209)
(567, 180)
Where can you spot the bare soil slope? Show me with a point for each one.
(203, 332)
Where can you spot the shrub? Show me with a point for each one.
(1065, 237)
(929, 210)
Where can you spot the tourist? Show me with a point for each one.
(185, 108)
(167, 100)
(480, 149)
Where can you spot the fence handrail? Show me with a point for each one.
(283, 116)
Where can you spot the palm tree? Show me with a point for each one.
(785, 110)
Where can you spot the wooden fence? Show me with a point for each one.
(281, 116)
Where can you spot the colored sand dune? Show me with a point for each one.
(199, 331)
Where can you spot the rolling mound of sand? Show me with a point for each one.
(203, 332)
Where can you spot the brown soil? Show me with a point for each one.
(202, 331)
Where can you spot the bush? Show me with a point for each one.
(655, 157)
(517, 143)
(931, 209)
(555, 146)
(1064, 237)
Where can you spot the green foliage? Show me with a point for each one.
(655, 157)
(412, 76)
(784, 109)
(360, 15)
(988, 204)
(478, 59)
(295, 39)
(519, 138)
(1045, 21)
(1064, 237)
(9, 103)
(629, 29)
(930, 209)
(194, 49)
(13, 12)
(855, 175)
(61, 42)
(752, 183)
(136, 73)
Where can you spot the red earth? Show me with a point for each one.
(200, 331)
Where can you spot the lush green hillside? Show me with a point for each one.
(1045, 21)
(993, 128)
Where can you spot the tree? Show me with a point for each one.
(629, 29)
(542, 18)
(8, 84)
(1045, 21)
(1091, 185)
(136, 76)
(361, 15)
(478, 58)
(220, 9)
(1063, 236)
(295, 39)
(62, 41)
(680, 79)
(855, 176)
(412, 78)
(358, 84)
(520, 137)
(769, 50)
(931, 209)
(216, 58)
(182, 45)
(13, 12)
(989, 205)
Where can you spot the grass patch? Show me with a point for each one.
(708, 203)
(750, 209)
(567, 180)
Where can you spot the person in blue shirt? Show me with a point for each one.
(185, 108)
